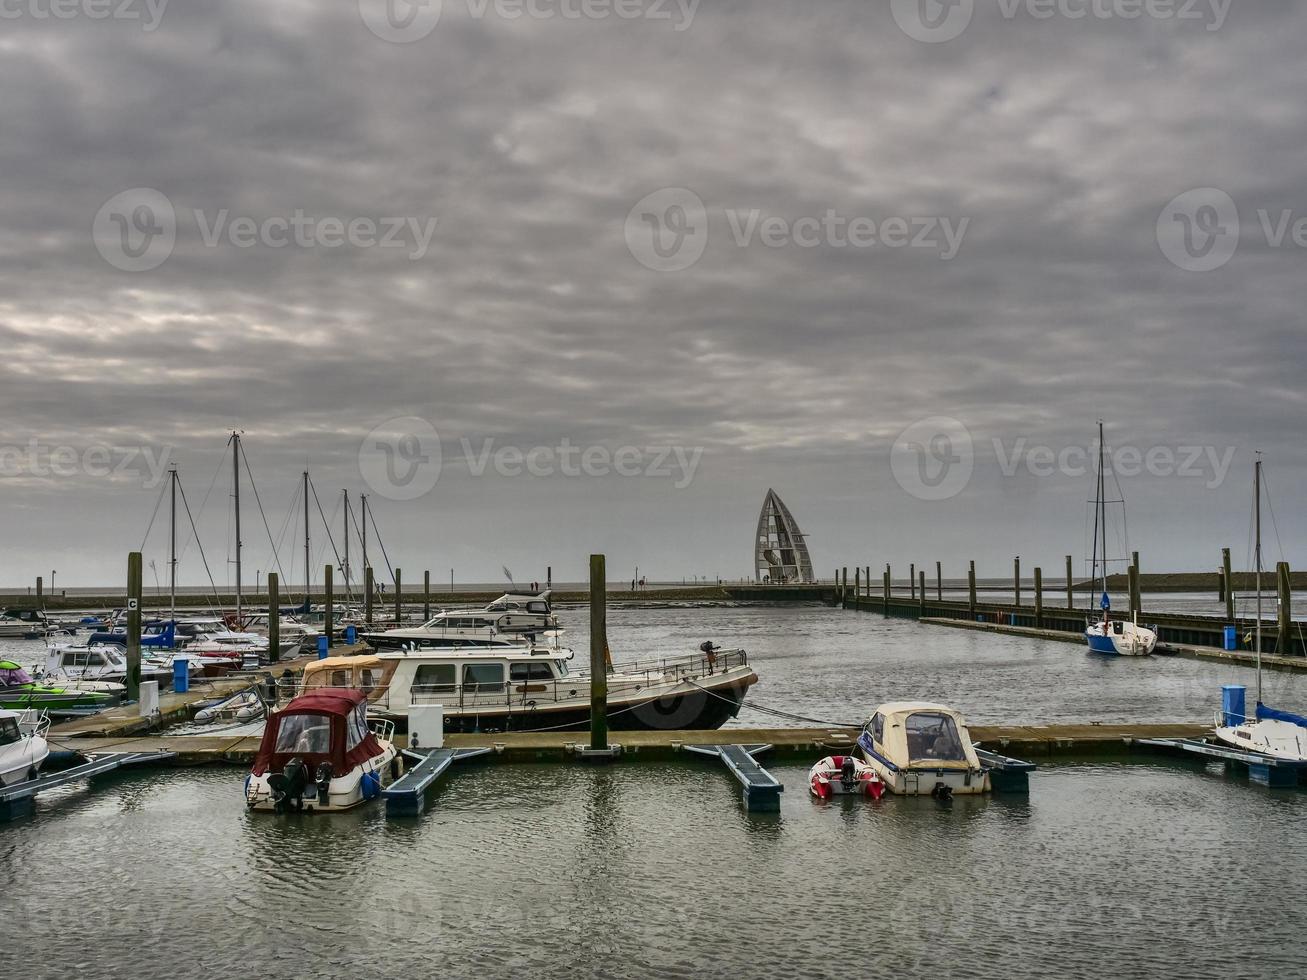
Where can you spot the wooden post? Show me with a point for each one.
(369, 586)
(857, 587)
(1039, 597)
(426, 595)
(598, 657)
(922, 607)
(912, 581)
(1284, 619)
(971, 589)
(844, 588)
(887, 588)
(1070, 584)
(868, 583)
(549, 577)
(1229, 585)
(939, 581)
(133, 678)
(327, 606)
(1136, 596)
(274, 617)
(399, 597)
(40, 586)
(1016, 581)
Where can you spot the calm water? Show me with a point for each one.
(655, 870)
(639, 870)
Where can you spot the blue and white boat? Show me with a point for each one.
(1119, 638)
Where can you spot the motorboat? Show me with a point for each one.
(511, 619)
(844, 775)
(106, 662)
(530, 687)
(320, 754)
(37, 623)
(18, 691)
(291, 632)
(919, 748)
(23, 748)
(13, 628)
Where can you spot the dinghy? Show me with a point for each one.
(844, 775)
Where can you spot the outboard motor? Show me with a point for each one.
(288, 786)
(322, 778)
(942, 792)
(848, 774)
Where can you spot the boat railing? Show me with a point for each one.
(383, 728)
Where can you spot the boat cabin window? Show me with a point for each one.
(483, 677)
(340, 678)
(304, 735)
(934, 736)
(878, 728)
(537, 607)
(74, 660)
(435, 678)
(1118, 627)
(530, 672)
(367, 681)
(9, 733)
(357, 730)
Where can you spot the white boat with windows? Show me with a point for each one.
(534, 687)
(509, 620)
(919, 748)
(23, 748)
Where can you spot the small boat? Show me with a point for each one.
(23, 748)
(918, 748)
(12, 628)
(511, 620)
(243, 706)
(77, 662)
(318, 754)
(1281, 734)
(844, 775)
(1121, 638)
(19, 691)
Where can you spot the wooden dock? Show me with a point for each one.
(787, 744)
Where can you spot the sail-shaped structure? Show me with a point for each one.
(780, 554)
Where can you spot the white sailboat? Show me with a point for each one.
(1276, 733)
(1122, 638)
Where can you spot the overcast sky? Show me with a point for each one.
(692, 252)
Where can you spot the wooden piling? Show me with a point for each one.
(1070, 584)
(922, 605)
(971, 589)
(426, 595)
(1284, 618)
(844, 588)
(274, 617)
(549, 576)
(399, 597)
(133, 678)
(1136, 596)
(1039, 597)
(912, 581)
(327, 630)
(857, 586)
(40, 586)
(939, 581)
(1229, 585)
(1016, 581)
(369, 586)
(598, 659)
(887, 589)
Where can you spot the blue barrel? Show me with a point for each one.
(1232, 704)
(323, 648)
(181, 675)
(1231, 638)
(351, 635)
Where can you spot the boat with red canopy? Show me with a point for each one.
(319, 753)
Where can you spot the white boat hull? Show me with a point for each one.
(1121, 639)
(345, 792)
(1280, 739)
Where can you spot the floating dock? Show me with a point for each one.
(761, 791)
(1264, 769)
(408, 796)
(16, 800)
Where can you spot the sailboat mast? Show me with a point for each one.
(1257, 549)
(172, 547)
(345, 568)
(308, 578)
(364, 497)
(1102, 508)
(236, 493)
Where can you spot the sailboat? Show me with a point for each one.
(1122, 638)
(1276, 733)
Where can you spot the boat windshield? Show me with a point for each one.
(9, 731)
(14, 676)
(934, 736)
(304, 735)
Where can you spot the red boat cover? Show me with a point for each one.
(323, 726)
